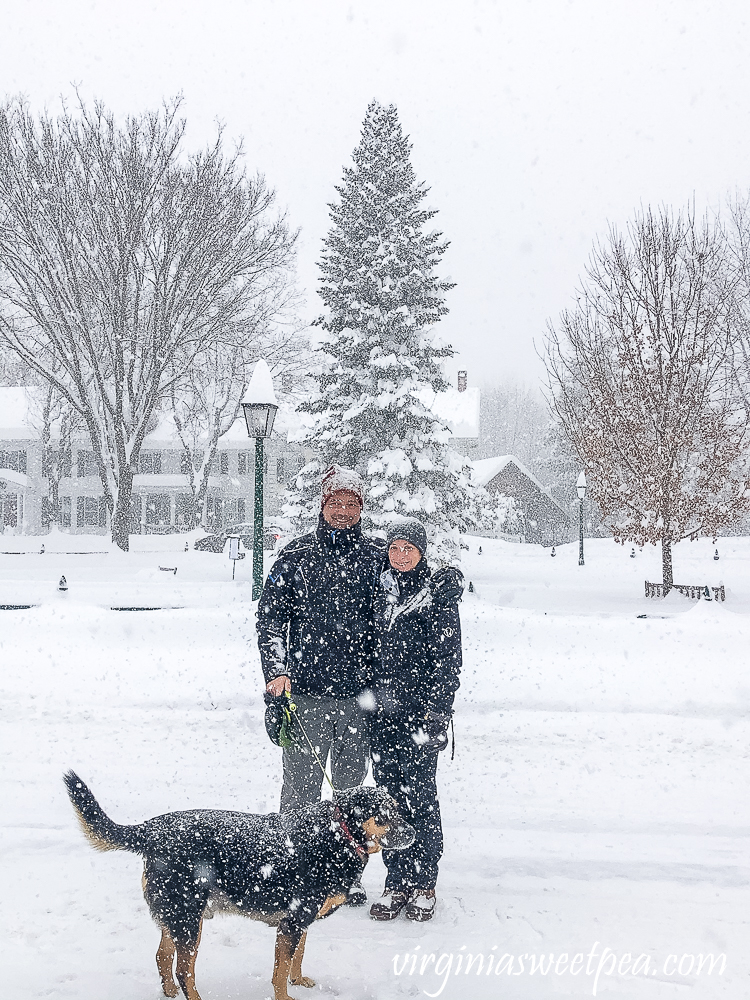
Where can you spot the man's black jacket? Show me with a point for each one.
(419, 647)
(315, 616)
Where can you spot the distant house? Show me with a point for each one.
(161, 493)
(545, 521)
(162, 500)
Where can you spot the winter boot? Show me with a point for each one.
(421, 904)
(357, 895)
(390, 904)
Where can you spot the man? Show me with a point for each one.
(315, 633)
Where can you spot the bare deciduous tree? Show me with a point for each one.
(513, 421)
(57, 423)
(639, 375)
(738, 253)
(120, 260)
(207, 401)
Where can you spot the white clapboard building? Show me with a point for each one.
(162, 498)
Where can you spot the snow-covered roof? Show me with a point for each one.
(10, 476)
(164, 434)
(460, 410)
(484, 470)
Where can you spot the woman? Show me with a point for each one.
(415, 679)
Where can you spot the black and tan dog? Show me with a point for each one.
(285, 870)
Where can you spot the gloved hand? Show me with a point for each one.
(447, 584)
(279, 723)
(435, 729)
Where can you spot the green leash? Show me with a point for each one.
(286, 739)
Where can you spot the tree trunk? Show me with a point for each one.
(50, 502)
(121, 513)
(666, 563)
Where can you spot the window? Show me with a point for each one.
(280, 470)
(158, 510)
(185, 510)
(241, 509)
(244, 462)
(185, 462)
(13, 460)
(48, 510)
(9, 511)
(92, 512)
(65, 512)
(149, 463)
(220, 464)
(214, 512)
(62, 461)
(86, 464)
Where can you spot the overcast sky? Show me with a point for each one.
(534, 123)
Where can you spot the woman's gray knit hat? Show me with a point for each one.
(411, 530)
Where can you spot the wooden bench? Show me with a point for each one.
(694, 591)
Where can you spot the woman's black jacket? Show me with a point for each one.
(418, 661)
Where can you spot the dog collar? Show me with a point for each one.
(361, 852)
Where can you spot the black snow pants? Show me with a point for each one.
(408, 773)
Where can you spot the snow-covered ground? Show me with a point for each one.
(598, 798)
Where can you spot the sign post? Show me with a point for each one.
(234, 551)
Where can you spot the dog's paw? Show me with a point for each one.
(302, 981)
(170, 989)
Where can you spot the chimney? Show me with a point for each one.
(462, 381)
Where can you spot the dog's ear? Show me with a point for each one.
(358, 803)
(361, 804)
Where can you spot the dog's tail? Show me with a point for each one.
(100, 831)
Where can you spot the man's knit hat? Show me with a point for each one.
(411, 530)
(336, 477)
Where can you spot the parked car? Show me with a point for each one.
(218, 540)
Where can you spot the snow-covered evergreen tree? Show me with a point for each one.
(382, 299)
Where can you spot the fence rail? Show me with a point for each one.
(695, 591)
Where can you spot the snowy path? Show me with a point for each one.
(599, 794)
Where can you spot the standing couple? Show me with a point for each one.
(368, 642)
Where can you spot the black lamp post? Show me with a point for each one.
(259, 407)
(581, 490)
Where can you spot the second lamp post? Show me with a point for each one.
(581, 490)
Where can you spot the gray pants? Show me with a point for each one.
(335, 725)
